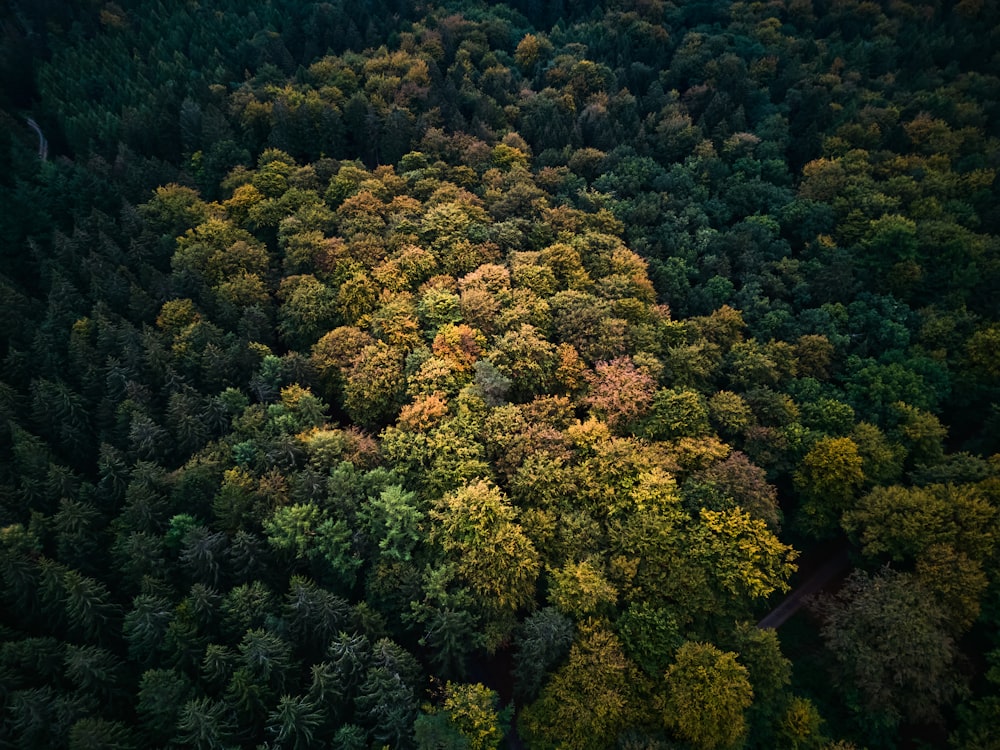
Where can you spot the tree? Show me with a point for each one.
(729, 413)
(741, 555)
(979, 720)
(310, 533)
(581, 590)
(647, 549)
(307, 311)
(89, 608)
(589, 700)
(469, 711)
(619, 393)
(956, 580)
(145, 626)
(526, 359)
(881, 461)
(172, 210)
(42, 717)
(895, 658)
(386, 699)
(95, 671)
(314, 615)
(293, 723)
(981, 350)
(735, 481)
(676, 413)
(800, 726)
(450, 621)
(216, 250)
(393, 521)
(584, 321)
(93, 733)
(202, 553)
(770, 674)
(531, 51)
(459, 345)
(163, 693)
(920, 432)
(827, 478)
(650, 636)
(543, 640)
(205, 724)
(476, 528)
(904, 522)
(247, 606)
(708, 691)
(349, 655)
(375, 385)
(77, 539)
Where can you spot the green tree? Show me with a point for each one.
(393, 521)
(450, 621)
(827, 479)
(708, 692)
(293, 723)
(386, 699)
(247, 606)
(205, 724)
(770, 674)
(94, 733)
(216, 250)
(895, 658)
(163, 693)
(741, 554)
(581, 590)
(979, 719)
(308, 532)
(526, 359)
(313, 614)
(375, 385)
(542, 640)
(307, 310)
(676, 413)
(904, 522)
(650, 635)
(800, 726)
(89, 608)
(469, 711)
(881, 460)
(145, 627)
(920, 432)
(476, 528)
(96, 671)
(589, 700)
(77, 538)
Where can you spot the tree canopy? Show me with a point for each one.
(455, 374)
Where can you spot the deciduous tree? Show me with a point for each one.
(895, 657)
(708, 692)
(589, 700)
(827, 479)
(476, 528)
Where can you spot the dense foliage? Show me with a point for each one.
(443, 376)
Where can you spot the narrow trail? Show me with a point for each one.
(835, 566)
(43, 144)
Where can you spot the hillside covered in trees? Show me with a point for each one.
(476, 375)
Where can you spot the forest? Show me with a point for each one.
(451, 374)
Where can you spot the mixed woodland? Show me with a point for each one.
(455, 374)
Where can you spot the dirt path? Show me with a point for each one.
(838, 563)
(43, 144)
